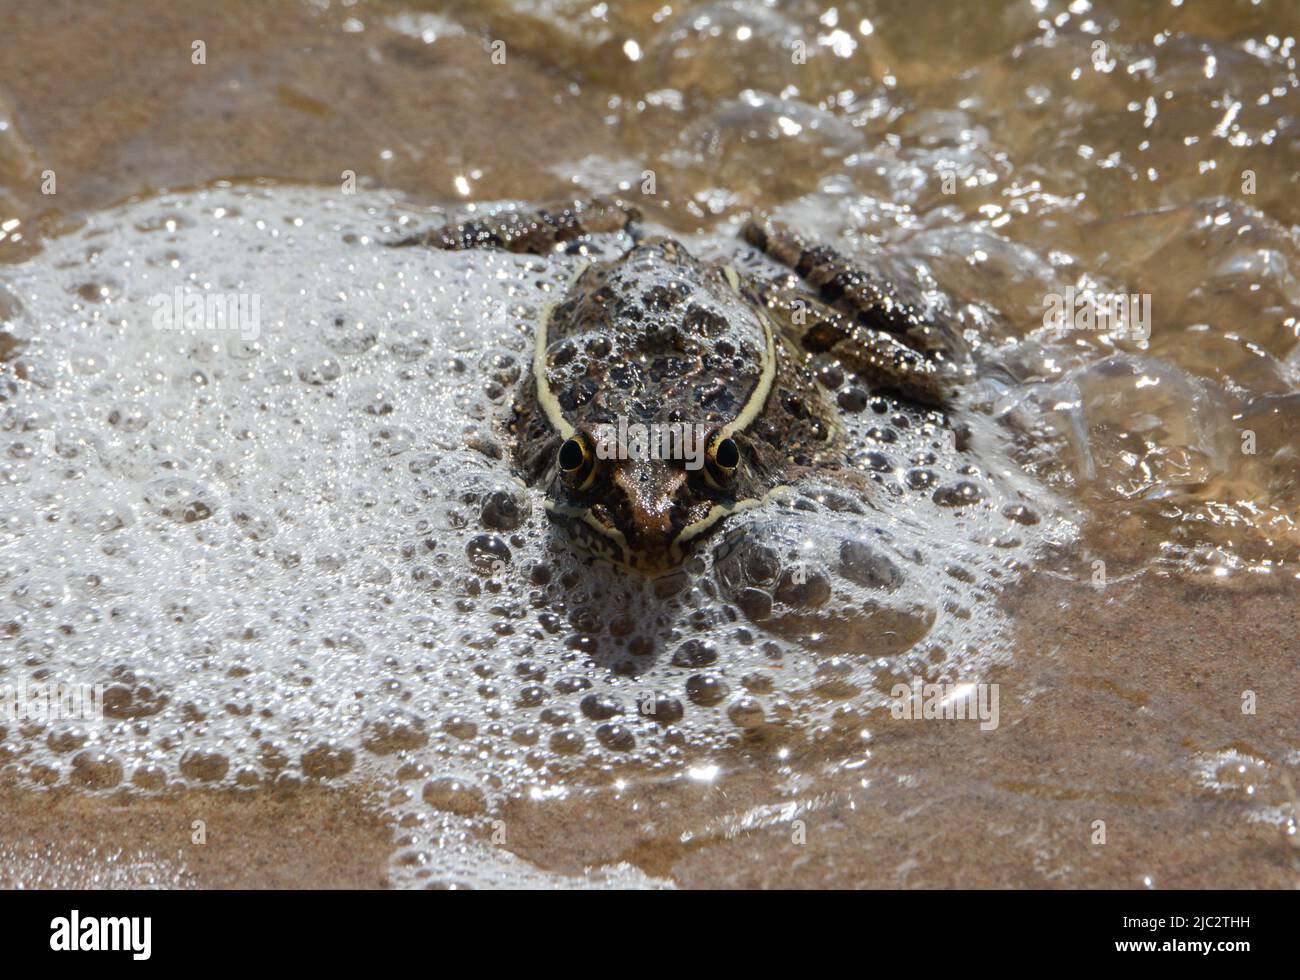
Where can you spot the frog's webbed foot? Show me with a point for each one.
(536, 232)
(855, 316)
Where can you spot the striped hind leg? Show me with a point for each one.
(865, 300)
(876, 356)
(536, 232)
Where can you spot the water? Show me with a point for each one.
(301, 554)
(298, 549)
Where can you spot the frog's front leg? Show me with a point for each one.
(876, 356)
(536, 232)
(866, 300)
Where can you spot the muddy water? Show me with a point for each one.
(300, 561)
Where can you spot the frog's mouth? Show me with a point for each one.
(605, 542)
(602, 540)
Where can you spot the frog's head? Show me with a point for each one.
(645, 499)
(647, 375)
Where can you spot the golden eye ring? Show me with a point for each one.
(576, 462)
(722, 460)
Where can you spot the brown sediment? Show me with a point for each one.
(312, 838)
(943, 805)
(285, 93)
(1114, 702)
(1115, 706)
(1121, 705)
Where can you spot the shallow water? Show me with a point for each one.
(303, 556)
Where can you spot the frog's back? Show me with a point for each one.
(655, 336)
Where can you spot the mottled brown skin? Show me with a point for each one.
(659, 336)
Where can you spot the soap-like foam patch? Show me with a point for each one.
(290, 543)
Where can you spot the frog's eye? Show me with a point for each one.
(727, 455)
(576, 461)
(572, 455)
(723, 459)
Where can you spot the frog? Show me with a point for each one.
(666, 392)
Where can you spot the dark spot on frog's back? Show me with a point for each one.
(815, 257)
(704, 322)
(576, 395)
(562, 354)
(664, 296)
(625, 376)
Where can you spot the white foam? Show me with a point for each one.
(273, 550)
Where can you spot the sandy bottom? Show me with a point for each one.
(1122, 706)
(313, 839)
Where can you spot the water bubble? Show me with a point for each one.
(695, 653)
(455, 796)
(616, 738)
(318, 369)
(327, 760)
(705, 689)
(958, 494)
(394, 732)
(487, 553)
(96, 770)
(255, 523)
(66, 738)
(180, 500)
(746, 713)
(504, 509)
(600, 707)
(204, 766)
(344, 334)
